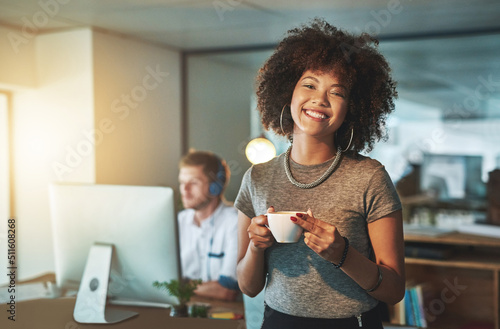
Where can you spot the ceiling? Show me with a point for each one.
(441, 51)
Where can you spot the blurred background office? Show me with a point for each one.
(115, 92)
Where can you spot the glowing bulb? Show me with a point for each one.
(260, 150)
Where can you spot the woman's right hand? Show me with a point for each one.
(260, 236)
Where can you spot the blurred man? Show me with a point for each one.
(207, 226)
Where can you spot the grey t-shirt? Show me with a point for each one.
(300, 282)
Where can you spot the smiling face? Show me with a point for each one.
(319, 105)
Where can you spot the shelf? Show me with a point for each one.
(451, 322)
(423, 200)
(471, 261)
(480, 254)
(444, 322)
(456, 238)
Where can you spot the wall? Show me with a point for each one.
(137, 88)
(47, 124)
(56, 127)
(4, 180)
(219, 113)
(17, 64)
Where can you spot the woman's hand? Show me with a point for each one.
(253, 239)
(260, 236)
(323, 238)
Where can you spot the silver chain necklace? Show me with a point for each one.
(318, 181)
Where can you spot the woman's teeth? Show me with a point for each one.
(315, 114)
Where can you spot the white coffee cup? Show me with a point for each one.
(282, 227)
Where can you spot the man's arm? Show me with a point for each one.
(214, 289)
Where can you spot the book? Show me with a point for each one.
(397, 313)
(409, 315)
(492, 231)
(429, 251)
(410, 310)
(420, 300)
(415, 306)
(426, 230)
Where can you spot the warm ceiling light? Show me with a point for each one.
(260, 150)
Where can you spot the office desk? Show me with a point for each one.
(58, 314)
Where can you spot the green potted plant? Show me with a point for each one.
(183, 290)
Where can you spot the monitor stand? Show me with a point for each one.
(90, 304)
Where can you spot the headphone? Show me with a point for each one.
(217, 186)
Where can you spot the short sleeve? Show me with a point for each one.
(243, 200)
(381, 196)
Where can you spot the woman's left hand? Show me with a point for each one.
(323, 238)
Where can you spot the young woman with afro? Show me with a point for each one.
(329, 92)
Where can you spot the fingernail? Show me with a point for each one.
(299, 214)
(294, 219)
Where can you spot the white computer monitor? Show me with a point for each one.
(452, 177)
(139, 221)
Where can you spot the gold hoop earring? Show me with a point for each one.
(281, 119)
(350, 141)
